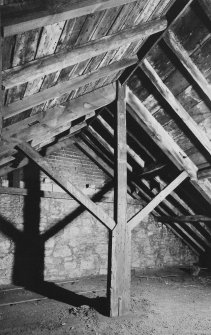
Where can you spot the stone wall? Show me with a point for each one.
(55, 239)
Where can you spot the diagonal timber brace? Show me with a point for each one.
(66, 185)
(136, 219)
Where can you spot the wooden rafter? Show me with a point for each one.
(66, 185)
(148, 122)
(134, 221)
(64, 12)
(177, 48)
(159, 135)
(185, 218)
(65, 87)
(198, 132)
(162, 35)
(177, 229)
(56, 62)
(206, 5)
(130, 151)
(199, 240)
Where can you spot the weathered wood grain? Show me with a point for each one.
(56, 62)
(159, 135)
(65, 12)
(184, 58)
(62, 115)
(64, 87)
(120, 261)
(199, 134)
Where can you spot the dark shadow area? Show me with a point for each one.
(55, 292)
(29, 250)
(28, 268)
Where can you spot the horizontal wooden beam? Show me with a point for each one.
(66, 185)
(135, 220)
(65, 87)
(62, 114)
(56, 62)
(175, 45)
(183, 218)
(63, 12)
(140, 113)
(193, 127)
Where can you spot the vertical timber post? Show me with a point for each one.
(120, 237)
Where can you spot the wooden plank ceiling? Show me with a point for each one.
(60, 63)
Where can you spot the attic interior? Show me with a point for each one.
(105, 166)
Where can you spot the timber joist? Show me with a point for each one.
(60, 13)
(56, 62)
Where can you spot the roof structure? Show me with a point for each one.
(60, 65)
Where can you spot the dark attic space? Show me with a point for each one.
(105, 167)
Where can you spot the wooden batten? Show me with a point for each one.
(120, 237)
(174, 44)
(57, 62)
(63, 12)
(66, 185)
